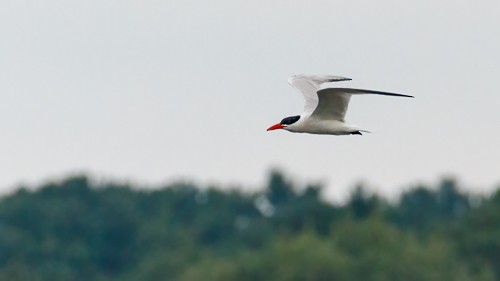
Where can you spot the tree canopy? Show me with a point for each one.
(77, 230)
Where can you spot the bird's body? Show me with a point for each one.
(322, 127)
(324, 109)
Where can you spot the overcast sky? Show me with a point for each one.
(154, 91)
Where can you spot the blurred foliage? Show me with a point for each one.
(76, 230)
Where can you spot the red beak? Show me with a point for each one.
(275, 127)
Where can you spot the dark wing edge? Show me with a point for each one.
(338, 79)
(362, 91)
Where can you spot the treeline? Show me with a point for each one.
(74, 230)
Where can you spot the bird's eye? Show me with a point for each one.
(290, 120)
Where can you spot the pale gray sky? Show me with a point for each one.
(151, 91)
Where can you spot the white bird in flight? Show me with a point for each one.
(324, 109)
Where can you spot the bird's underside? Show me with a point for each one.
(324, 109)
(324, 127)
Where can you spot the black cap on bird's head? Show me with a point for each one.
(285, 122)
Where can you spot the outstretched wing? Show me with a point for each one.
(333, 102)
(308, 85)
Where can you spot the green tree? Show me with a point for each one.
(361, 203)
(478, 235)
(422, 209)
(279, 191)
(357, 250)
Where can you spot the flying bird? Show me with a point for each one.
(324, 109)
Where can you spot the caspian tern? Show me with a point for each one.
(324, 109)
